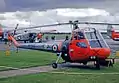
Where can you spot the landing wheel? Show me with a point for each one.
(110, 64)
(97, 65)
(84, 63)
(54, 65)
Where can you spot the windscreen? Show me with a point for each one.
(95, 39)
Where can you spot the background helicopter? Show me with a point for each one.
(4, 33)
(32, 36)
(83, 46)
(26, 37)
(112, 33)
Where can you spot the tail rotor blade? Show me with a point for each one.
(15, 29)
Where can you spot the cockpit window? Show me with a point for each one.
(81, 44)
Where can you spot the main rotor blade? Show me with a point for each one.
(98, 23)
(58, 24)
(67, 23)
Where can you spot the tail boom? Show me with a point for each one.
(10, 38)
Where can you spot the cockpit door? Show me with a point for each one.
(78, 49)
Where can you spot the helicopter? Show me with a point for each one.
(32, 36)
(27, 37)
(112, 33)
(4, 33)
(83, 46)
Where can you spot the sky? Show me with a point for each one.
(26, 5)
(39, 12)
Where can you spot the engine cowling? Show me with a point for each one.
(65, 51)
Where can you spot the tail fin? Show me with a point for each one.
(10, 38)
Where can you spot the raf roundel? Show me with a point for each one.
(54, 48)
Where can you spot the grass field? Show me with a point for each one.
(89, 69)
(62, 78)
(25, 58)
(73, 74)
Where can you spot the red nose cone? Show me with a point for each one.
(105, 52)
(101, 52)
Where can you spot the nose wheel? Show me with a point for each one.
(54, 65)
